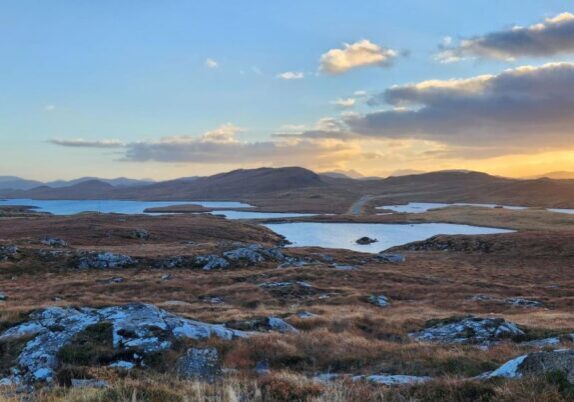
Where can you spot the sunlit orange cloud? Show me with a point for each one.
(381, 158)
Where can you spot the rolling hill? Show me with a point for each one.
(299, 189)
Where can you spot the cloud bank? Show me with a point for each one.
(359, 54)
(526, 108)
(551, 37)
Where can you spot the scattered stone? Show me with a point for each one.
(3, 296)
(166, 277)
(541, 343)
(514, 301)
(10, 381)
(537, 364)
(54, 242)
(175, 303)
(385, 379)
(209, 262)
(390, 379)
(275, 285)
(173, 262)
(262, 367)
(277, 324)
(379, 300)
(305, 314)
(140, 327)
(326, 258)
(342, 267)
(115, 279)
(103, 260)
(482, 298)
(390, 258)
(521, 302)
(82, 383)
(53, 254)
(122, 364)
(365, 240)
(200, 364)
(8, 252)
(140, 234)
(263, 324)
(469, 329)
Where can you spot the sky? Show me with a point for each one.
(166, 89)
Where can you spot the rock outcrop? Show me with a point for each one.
(8, 252)
(469, 329)
(142, 328)
(390, 258)
(379, 300)
(245, 256)
(103, 260)
(54, 242)
(537, 364)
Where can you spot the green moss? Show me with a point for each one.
(9, 351)
(93, 346)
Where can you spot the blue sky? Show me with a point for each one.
(135, 71)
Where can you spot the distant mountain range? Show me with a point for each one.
(18, 183)
(292, 187)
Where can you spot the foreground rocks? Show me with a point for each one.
(537, 364)
(469, 329)
(8, 252)
(141, 328)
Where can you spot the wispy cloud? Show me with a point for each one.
(345, 102)
(81, 143)
(551, 37)
(211, 63)
(291, 75)
(359, 54)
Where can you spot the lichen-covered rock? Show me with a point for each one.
(279, 325)
(103, 260)
(8, 252)
(200, 363)
(140, 234)
(537, 364)
(393, 379)
(209, 262)
(522, 302)
(390, 258)
(54, 242)
(140, 327)
(469, 329)
(379, 300)
(263, 324)
(89, 383)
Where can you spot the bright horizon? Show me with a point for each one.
(149, 90)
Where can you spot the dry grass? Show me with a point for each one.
(347, 334)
